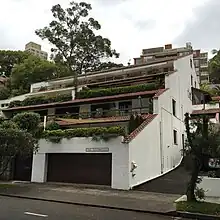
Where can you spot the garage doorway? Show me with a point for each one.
(80, 168)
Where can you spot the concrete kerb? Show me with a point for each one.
(171, 213)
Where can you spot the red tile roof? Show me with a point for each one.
(68, 122)
(87, 100)
(160, 92)
(206, 111)
(130, 137)
(216, 98)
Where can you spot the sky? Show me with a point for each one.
(131, 25)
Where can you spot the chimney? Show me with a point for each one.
(168, 46)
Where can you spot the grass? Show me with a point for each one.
(6, 185)
(199, 207)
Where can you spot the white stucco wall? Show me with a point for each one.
(144, 150)
(211, 186)
(171, 154)
(179, 89)
(120, 151)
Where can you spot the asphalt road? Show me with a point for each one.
(22, 209)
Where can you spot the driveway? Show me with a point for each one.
(174, 182)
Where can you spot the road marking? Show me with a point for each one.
(35, 214)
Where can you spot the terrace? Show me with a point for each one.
(93, 103)
(128, 75)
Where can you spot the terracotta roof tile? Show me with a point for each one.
(216, 98)
(83, 101)
(206, 111)
(160, 92)
(130, 137)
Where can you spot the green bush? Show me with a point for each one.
(41, 100)
(28, 121)
(199, 207)
(134, 122)
(7, 124)
(82, 132)
(91, 93)
(4, 93)
(52, 126)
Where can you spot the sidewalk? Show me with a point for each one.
(103, 198)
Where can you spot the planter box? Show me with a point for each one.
(211, 186)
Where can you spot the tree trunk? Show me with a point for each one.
(75, 83)
(190, 193)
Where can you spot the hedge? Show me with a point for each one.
(91, 93)
(82, 132)
(41, 100)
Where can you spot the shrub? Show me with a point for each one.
(4, 93)
(52, 126)
(15, 104)
(134, 122)
(41, 100)
(82, 132)
(28, 121)
(8, 125)
(91, 93)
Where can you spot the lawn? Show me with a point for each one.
(5, 185)
(199, 207)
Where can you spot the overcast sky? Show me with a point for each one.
(131, 25)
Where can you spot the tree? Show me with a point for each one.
(32, 70)
(213, 91)
(15, 142)
(19, 137)
(4, 93)
(27, 121)
(214, 67)
(202, 140)
(74, 37)
(10, 58)
(106, 66)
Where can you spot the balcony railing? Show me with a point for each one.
(103, 113)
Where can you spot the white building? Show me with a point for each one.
(152, 150)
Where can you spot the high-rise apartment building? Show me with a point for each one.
(201, 65)
(35, 49)
(200, 59)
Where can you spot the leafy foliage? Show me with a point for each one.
(85, 93)
(27, 121)
(7, 124)
(202, 139)
(199, 207)
(213, 91)
(18, 137)
(52, 126)
(4, 93)
(82, 132)
(73, 35)
(8, 59)
(38, 100)
(134, 122)
(106, 66)
(214, 67)
(32, 70)
(15, 141)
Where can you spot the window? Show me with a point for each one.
(175, 137)
(191, 80)
(195, 84)
(191, 63)
(174, 107)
